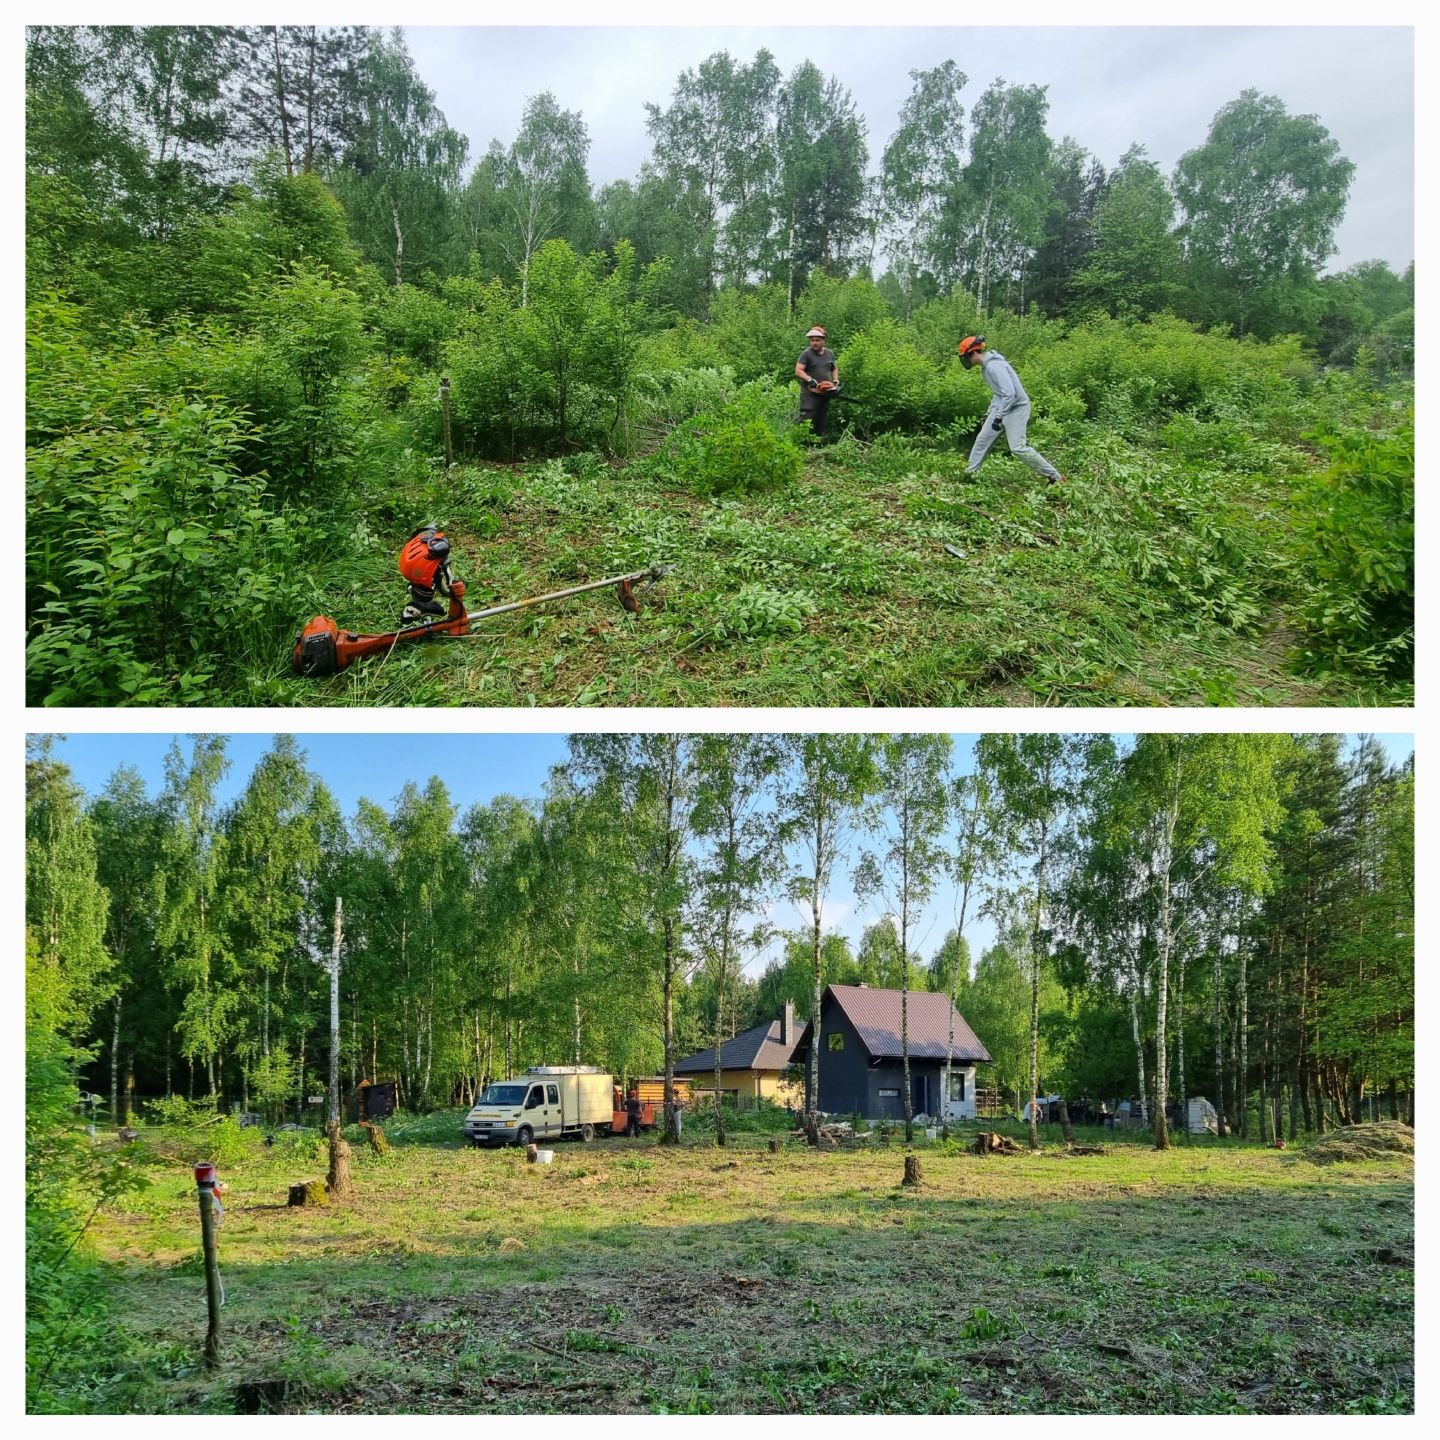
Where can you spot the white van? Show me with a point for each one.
(544, 1103)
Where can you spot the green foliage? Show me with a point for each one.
(738, 450)
(1356, 549)
(890, 386)
(156, 565)
(756, 612)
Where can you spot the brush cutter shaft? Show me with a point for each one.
(653, 573)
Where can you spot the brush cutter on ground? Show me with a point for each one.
(322, 648)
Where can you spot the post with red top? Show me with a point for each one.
(205, 1182)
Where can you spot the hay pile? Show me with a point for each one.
(1380, 1141)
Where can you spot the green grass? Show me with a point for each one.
(630, 1278)
(1159, 578)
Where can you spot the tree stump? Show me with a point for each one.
(308, 1192)
(532, 1154)
(912, 1170)
(774, 1146)
(379, 1145)
(338, 1182)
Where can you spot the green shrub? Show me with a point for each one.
(1356, 549)
(845, 308)
(738, 450)
(154, 566)
(756, 612)
(414, 322)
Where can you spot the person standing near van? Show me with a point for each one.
(1009, 410)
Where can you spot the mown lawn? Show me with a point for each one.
(1165, 575)
(629, 1278)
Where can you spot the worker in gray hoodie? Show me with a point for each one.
(1009, 410)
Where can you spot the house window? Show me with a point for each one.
(888, 1094)
(836, 1039)
(957, 1085)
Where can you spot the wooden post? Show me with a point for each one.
(445, 420)
(206, 1188)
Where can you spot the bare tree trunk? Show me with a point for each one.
(1180, 1091)
(399, 246)
(333, 1114)
(1139, 1052)
(1243, 1030)
(115, 1064)
(1219, 1028)
(669, 1135)
(1162, 1085)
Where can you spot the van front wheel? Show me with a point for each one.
(587, 1133)
(523, 1136)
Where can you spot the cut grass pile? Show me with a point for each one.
(626, 1277)
(1153, 579)
(1376, 1141)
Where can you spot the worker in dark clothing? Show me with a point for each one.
(1009, 410)
(819, 379)
(632, 1109)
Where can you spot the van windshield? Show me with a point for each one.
(503, 1095)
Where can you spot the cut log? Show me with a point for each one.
(308, 1192)
(532, 1154)
(990, 1142)
(378, 1143)
(774, 1146)
(912, 1170)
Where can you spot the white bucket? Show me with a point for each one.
(544, 1157)
(932, 1132)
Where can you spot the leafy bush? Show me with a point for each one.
(891, 386)
(414, 322)
(756, 612)
(738, 450)
(154, 565)
(845, 308)
(1357, 549)
(765, 1117)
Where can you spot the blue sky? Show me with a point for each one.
(476, 768)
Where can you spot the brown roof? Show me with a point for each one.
(875, 1014)
(757, 1049)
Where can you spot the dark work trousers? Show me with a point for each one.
(816, 409)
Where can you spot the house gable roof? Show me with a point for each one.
(759, 1048)
(875, 1014)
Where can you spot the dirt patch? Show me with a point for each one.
(1382, 1140)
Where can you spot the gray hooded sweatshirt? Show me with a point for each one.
(1004, 384)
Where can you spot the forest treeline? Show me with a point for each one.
(139, 136)
(253, 254)
(1229, 916)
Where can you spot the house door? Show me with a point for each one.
(919, 1094)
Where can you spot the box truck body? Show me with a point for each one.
(544, 1103)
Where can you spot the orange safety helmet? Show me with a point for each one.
(970, 344)
(423, 555)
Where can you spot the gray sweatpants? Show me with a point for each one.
(1015, 422)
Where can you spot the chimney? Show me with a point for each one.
(787, 1024)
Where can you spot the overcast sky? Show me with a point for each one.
(1108, 87)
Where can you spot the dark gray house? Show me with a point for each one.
(860, 1067)
(753, 1064)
